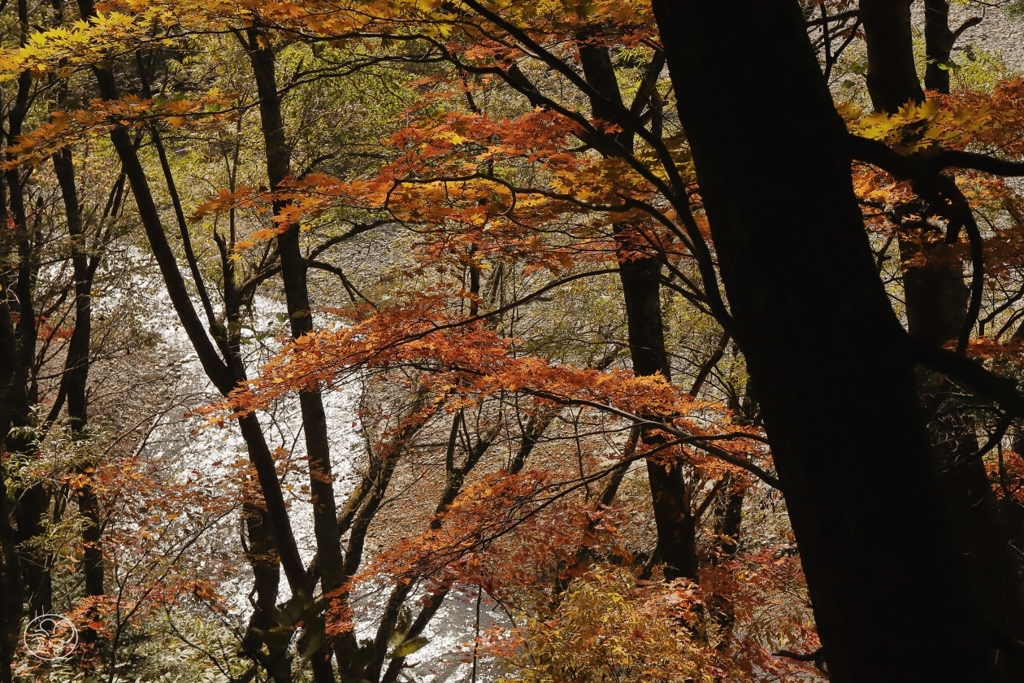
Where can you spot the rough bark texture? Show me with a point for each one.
(879, 541)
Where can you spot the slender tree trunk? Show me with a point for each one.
(25, 572)
(76, 366)
(670, 494)
(878, 539)
(261, 549)
(641, 289)
(938, 45)
(293, 268)
(278, 537)
(11, 593)
(267, 575)
(293, 271)
(936, 296)
(11, 596)
(32, 504)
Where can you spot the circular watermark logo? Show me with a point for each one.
(50, 637)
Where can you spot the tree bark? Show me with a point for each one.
(33, 503)
(276, 535)
(936, 296)
(879, 541)
(76, 366)
(938, 43)
(936, 300)
(640, 276)
(10, 565)
(293, 272)
(892, 76)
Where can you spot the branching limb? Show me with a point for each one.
(969, 373)
(818, 657)
(945, 198)
(881, 155)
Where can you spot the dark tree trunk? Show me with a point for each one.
(878, 540)
(938, 45)
(267, 575)
(76, 367)
(892, 78)
(24, 573)
(729, 511)
(11, 596)
(670, 496)
(32, 504)
(936, 295)
(936, 299)
(934, 289)
(293, 272)
(274, 531)
(261, 550)
(641, 289)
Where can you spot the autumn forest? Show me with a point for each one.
(478, 341)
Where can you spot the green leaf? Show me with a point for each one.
(401, 629)
(409, 646)
(275, 638)
(290, 613)
(312, 638)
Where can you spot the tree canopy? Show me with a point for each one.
(469, 340)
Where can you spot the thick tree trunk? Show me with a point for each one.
(892, 78)
(878, 540)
